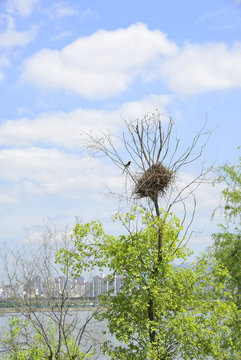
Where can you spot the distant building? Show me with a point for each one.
(115, 284)
(53, 288)
(78, 287)
(99, 285)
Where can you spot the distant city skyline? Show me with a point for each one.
(53, 288)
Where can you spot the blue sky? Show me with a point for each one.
(67, 67)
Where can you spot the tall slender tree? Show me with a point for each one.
(162, 312)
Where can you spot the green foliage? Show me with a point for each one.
(14, 346)
(226, 248)
(162, 311)
(35, 347)
(227, 242)
(231, 177)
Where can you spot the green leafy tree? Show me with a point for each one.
(227, 242)
(162, 311)
(226, 248)
(15, 346)
(190, 312)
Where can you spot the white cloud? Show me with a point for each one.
(100, 65)
(22, 7)
(107, 62)
(202, 68)
(65, 129)
(11, 38)
(9, 195)
(50, 171)
(26, 162)
(61, 35)
(132, 110)
(36, 166)
(61, 9)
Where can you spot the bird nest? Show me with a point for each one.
(154, 181)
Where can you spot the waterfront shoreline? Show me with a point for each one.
(5, 311)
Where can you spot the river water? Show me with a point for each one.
(93, 332)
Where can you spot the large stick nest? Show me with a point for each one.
(154, 181)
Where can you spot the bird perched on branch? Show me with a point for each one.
(126, 166)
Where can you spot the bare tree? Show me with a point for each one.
(45, 296)
(155, 159)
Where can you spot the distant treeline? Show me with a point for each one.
(42, 303)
